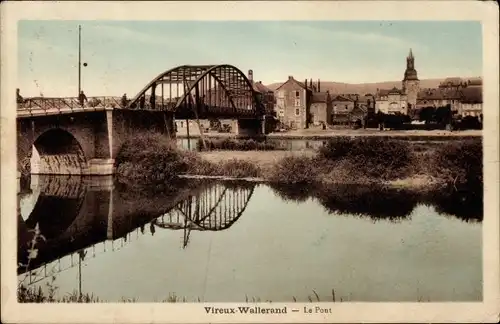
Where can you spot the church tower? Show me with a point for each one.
(411, 84)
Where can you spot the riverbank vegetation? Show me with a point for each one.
(38, 295)
(152, 159)
(236, 145)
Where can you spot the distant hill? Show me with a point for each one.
(364, 88)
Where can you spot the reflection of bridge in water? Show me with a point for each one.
(83, 219)
(215, 209)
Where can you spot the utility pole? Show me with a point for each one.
(79, 276)
(79, 59)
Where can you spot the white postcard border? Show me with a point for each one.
(486, 12)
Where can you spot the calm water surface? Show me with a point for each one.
(226, 241)
(283, 144)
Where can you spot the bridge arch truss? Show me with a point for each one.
(200, 91)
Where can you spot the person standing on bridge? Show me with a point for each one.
(20, 99)
(142, 101)
(82, 98)
(152, 101)
(124, 100)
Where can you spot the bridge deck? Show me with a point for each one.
(34, 107)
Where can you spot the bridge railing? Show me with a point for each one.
(46, 105)
(67, 103)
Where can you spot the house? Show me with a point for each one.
(475, 82)
(266, 96)
(321, 108)
(349, 109)
(367, 103)
(391, 101)
(439, 97)
(342, 106)
(471, 102)
(453, 83)
(292, 103)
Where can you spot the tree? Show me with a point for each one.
(427, 114)
(443, 114)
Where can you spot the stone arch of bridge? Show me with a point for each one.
(59, 152)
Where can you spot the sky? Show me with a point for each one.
(123, 56)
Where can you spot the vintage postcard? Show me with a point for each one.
(249, 162)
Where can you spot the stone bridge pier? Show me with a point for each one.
(84, 143)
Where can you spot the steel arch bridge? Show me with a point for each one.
(200, 91)
(215, 209)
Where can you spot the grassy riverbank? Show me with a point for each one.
(152, 159)
(37, 295)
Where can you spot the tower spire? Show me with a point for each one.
(411, 54)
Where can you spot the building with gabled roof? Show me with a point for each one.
(265, 95)
(293, 99)
(391, 101)
(437, 97)
(471, 101)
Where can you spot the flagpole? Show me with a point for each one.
(79, 58)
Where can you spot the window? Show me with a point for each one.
(282, 112)
(297, 94)
(182, 124)
(346, 107)
(297, 111)
(297, 102)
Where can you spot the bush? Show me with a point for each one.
(336, 149)
(373, 157)
(238, 169)
(468, 122)
(232, 168)
(294, 170)
(149, 159)
(460, 163)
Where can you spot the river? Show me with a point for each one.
(289, 144)
(238, 241)
(282, 144)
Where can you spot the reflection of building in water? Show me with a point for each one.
(94, 218)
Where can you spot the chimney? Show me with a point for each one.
(290, 77)
(305, 82)
(250, 76)
(319, 86)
